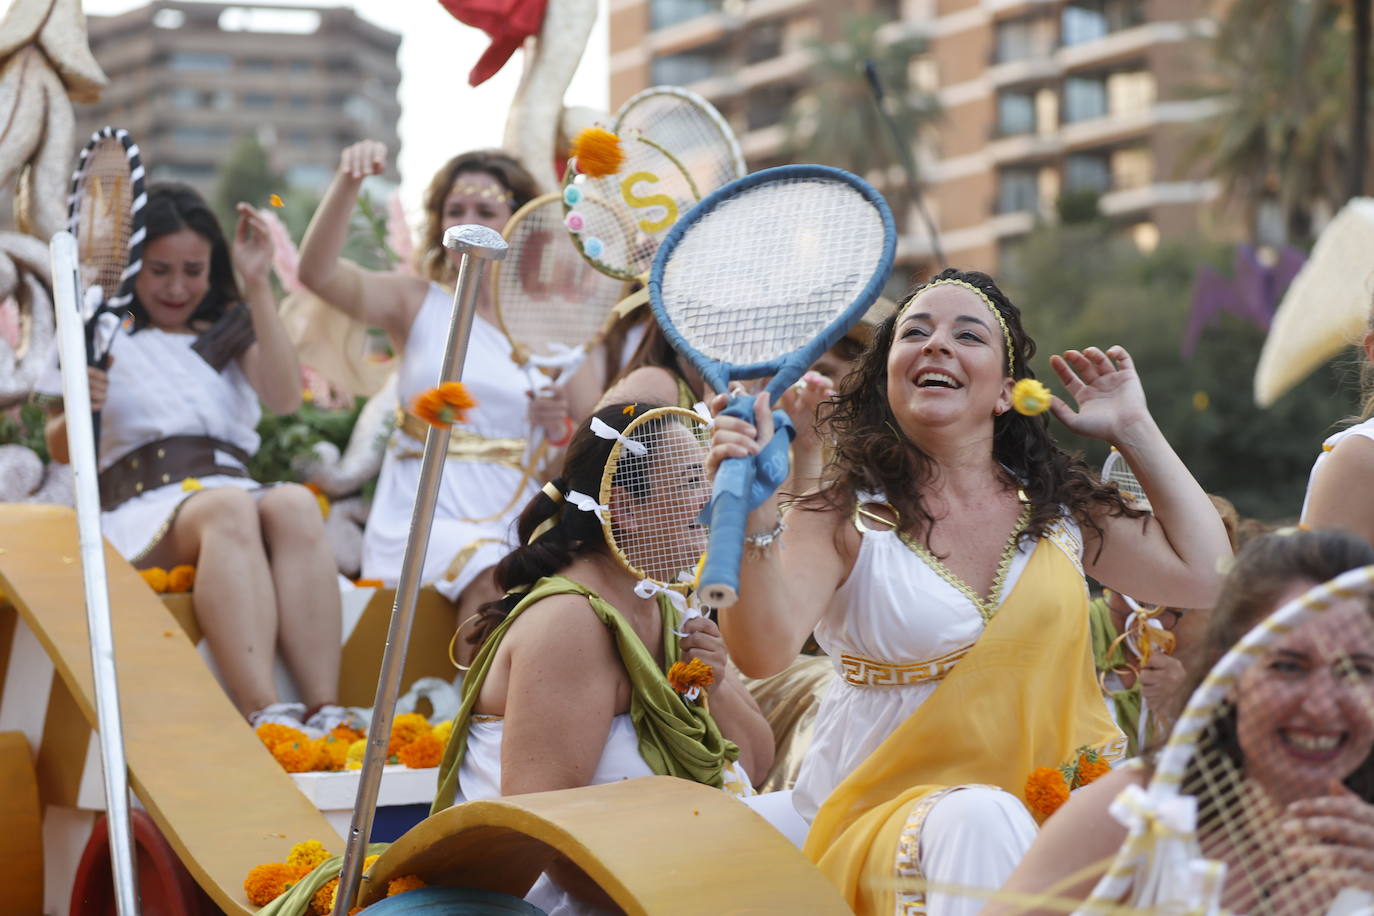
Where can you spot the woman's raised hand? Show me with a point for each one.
(1106, 389)
(252, 252)
(703, 641)
(364, 158)
(735, 438)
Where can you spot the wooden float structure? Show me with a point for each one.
(656, 845)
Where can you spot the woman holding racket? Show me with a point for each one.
(179, 410)
(569, 688)
(1310, 806)
(492, 474)
(941, 564)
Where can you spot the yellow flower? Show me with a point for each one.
(307, 395)
(598, 152)
(405, 728)
(1030, 397)
(156, 578)
(443, 406)
(629, 409)
(354, 758)
(404, 883)
(443, 730)
(322, 904)
(1046, 790)
(309, 853)
(275, 200)
(1201, 400)
(191, 484)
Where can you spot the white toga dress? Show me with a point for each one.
(160, 387)
(1365, 429)
(478, 500)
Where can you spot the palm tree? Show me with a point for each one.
(838, 121)
(1359, 115)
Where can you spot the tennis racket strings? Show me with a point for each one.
(688, 125)
(751, 281)
(655, 487)
(1116, 470)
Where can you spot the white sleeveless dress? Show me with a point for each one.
(897, 610)
(160, 387)
(1365, 429)
(478, 500)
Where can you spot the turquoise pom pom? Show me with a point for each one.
(593, 247)
(572, 196)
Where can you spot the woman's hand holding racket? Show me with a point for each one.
(364, 158)
(1107, 390)
(766, 440)
(1331, 839)
(703, 641)
(549, 411)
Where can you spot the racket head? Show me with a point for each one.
(545, 292)
(105, 213)
(769, 271)
(1232, 755)
(1116, 470)
(655, 496)
(684, 122)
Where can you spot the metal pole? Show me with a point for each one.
(76, 400)
(477, 244)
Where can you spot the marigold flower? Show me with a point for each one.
(322, 904)
(156, 578)
(272, 733)
(354, 759)
(331, 753)
(181, 578)
(347, 735)
(295, 756)
(404, 883)
(442, 731)
(405, 728)
(367, 862)
(368, 583)
(424, 752)
(1030, 397)
(309, 853)
(267, 882)
(1091, 766)
(1046, 790)
(191, 484)
(275, 200)
(443, 406)
(598, 152)
(690, 677)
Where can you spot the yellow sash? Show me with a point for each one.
(1025, 696)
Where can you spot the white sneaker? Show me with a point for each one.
(329, 717)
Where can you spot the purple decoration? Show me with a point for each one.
(1252, 293)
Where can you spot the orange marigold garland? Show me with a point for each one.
(296, 756)
(443, 406)
(272, 733)
(404, 883)
(597, 153)
(1046, 790)
(424, 752)
(156, 577)
(322, 904)
(331, 753)
(267, 882)
(405, 728)
(181, 578)
(1091, 766)
(690, 678)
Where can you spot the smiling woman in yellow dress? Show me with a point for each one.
(941, 565)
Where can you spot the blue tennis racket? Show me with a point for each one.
(758, 281)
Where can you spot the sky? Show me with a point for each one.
(440, 113)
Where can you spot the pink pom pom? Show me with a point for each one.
(574, 222)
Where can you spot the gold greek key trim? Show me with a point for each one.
(907, 864)
(864, 672)
(464, 556)
(462, 445)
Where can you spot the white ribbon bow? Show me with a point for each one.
(602, 430)
(1139, 810)
(586, 504)
(647, 588)
(705, 413)
(562, 357)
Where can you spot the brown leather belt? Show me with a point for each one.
(165, 461)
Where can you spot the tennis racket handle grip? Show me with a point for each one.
(724, 548)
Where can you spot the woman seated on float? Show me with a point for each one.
(569, 687)
(178, 422)
(941, 565)
(1321, 801)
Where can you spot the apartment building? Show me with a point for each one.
(1039, 98)
(188, 79)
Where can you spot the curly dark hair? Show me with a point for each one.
(431, 257)
(171, 208)
(872, 455)
(573, 534)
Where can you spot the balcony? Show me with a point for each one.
(1132, 200)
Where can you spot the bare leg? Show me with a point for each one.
(217, 531)
(305, 579)
(479, 592)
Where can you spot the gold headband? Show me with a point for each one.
(484, 191)
(550, 490)
(1006, 332)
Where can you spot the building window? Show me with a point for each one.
(309, 176)
(199, 62)
(192, 133)
(1028, 38)
(663, 13)
(763, 41)
(298, 102)
(299, 137)
(1015, 113)
(1084, 98)
(1017, 190)
(1131, 91)
(189, 172)
(1132, 167)
(184, 98)
(301, 67)
(1089, 20)
(690, 66)
(257, 64)
(259, 101)
(1087, 172)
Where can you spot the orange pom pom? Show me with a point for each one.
(683, 676)
(181, 579)
(404, 883)
(266, 883)
(1046, 790)
(443, 406)
(156, 578)
(424, 752)
(598, 152)
(295, 756)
